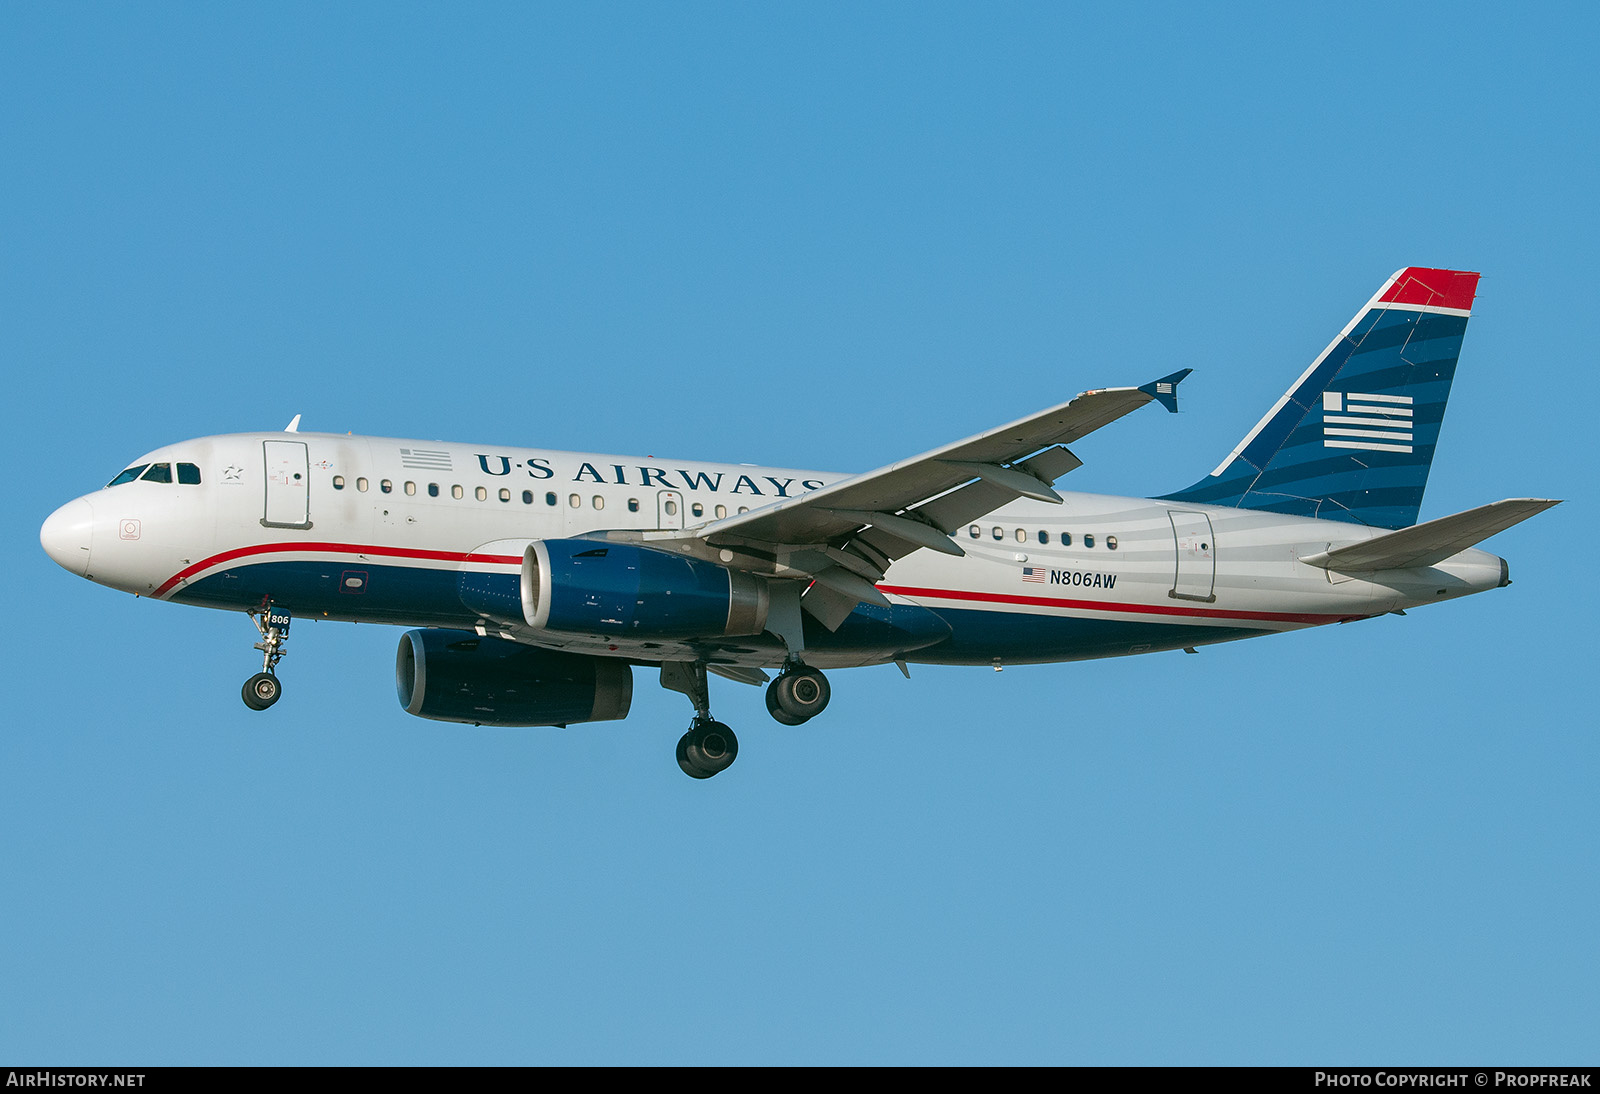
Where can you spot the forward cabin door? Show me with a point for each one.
(288, 466)
(1195, 573)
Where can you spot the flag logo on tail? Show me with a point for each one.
(1376, 423)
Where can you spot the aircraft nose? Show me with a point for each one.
(65, 536)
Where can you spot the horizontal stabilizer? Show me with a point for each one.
(1435, 541)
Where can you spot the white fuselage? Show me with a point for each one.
(381, 530)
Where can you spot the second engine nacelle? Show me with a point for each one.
(457, 676)
(580, 586)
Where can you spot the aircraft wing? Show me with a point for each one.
(845, 535)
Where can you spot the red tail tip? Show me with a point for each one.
(1435, 288)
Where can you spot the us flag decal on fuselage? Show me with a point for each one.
(1377, 423)
(1035, 573)
(425, 459)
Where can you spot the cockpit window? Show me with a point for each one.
(188, 474)
(128, 476)
(159, 472)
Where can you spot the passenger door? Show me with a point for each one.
(288, 485)
(1195, 573)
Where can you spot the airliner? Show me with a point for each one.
(536, 582)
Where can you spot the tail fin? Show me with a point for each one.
(1353, 439)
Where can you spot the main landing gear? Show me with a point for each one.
(263, 689)
(797, 695)
(709, 746)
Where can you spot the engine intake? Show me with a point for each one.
(623, 590)
(456, 676)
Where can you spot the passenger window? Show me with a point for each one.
(456, 491)
(672, 508)
(575, 501)
(527, 497)
(411, 488)
(338, 482)
(361, 485)
(744, 508)
(974, 531)
(1088, 541)
(1022, 535)
(188, 475)
(599, 502)
(481, 493)
(1111, 543)
(697, 509)
(505, 495)
(1044, 537)
(159, 472)
(128, 476)
(721, 511)
(633, 505)
(550, 498)
(1066, 539)
(386, 486)
(433, 490)
(999, 532)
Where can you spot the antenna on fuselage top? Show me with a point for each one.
(293, 426)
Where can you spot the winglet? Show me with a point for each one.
(1165, 390)
(293, 426)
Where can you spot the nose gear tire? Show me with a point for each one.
(261, 691)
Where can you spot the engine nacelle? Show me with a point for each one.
(456, 676)
(580, 586)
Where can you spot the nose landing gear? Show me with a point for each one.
(263, 689)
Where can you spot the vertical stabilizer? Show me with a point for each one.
(1354, 438)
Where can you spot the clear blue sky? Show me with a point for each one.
(810, 235)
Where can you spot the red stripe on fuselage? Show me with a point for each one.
(336, 549)
(1107, 606)
(896, 590)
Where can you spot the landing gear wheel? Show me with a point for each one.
(799, 695)
(777, 712)
(708, 747)
(261, 691)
